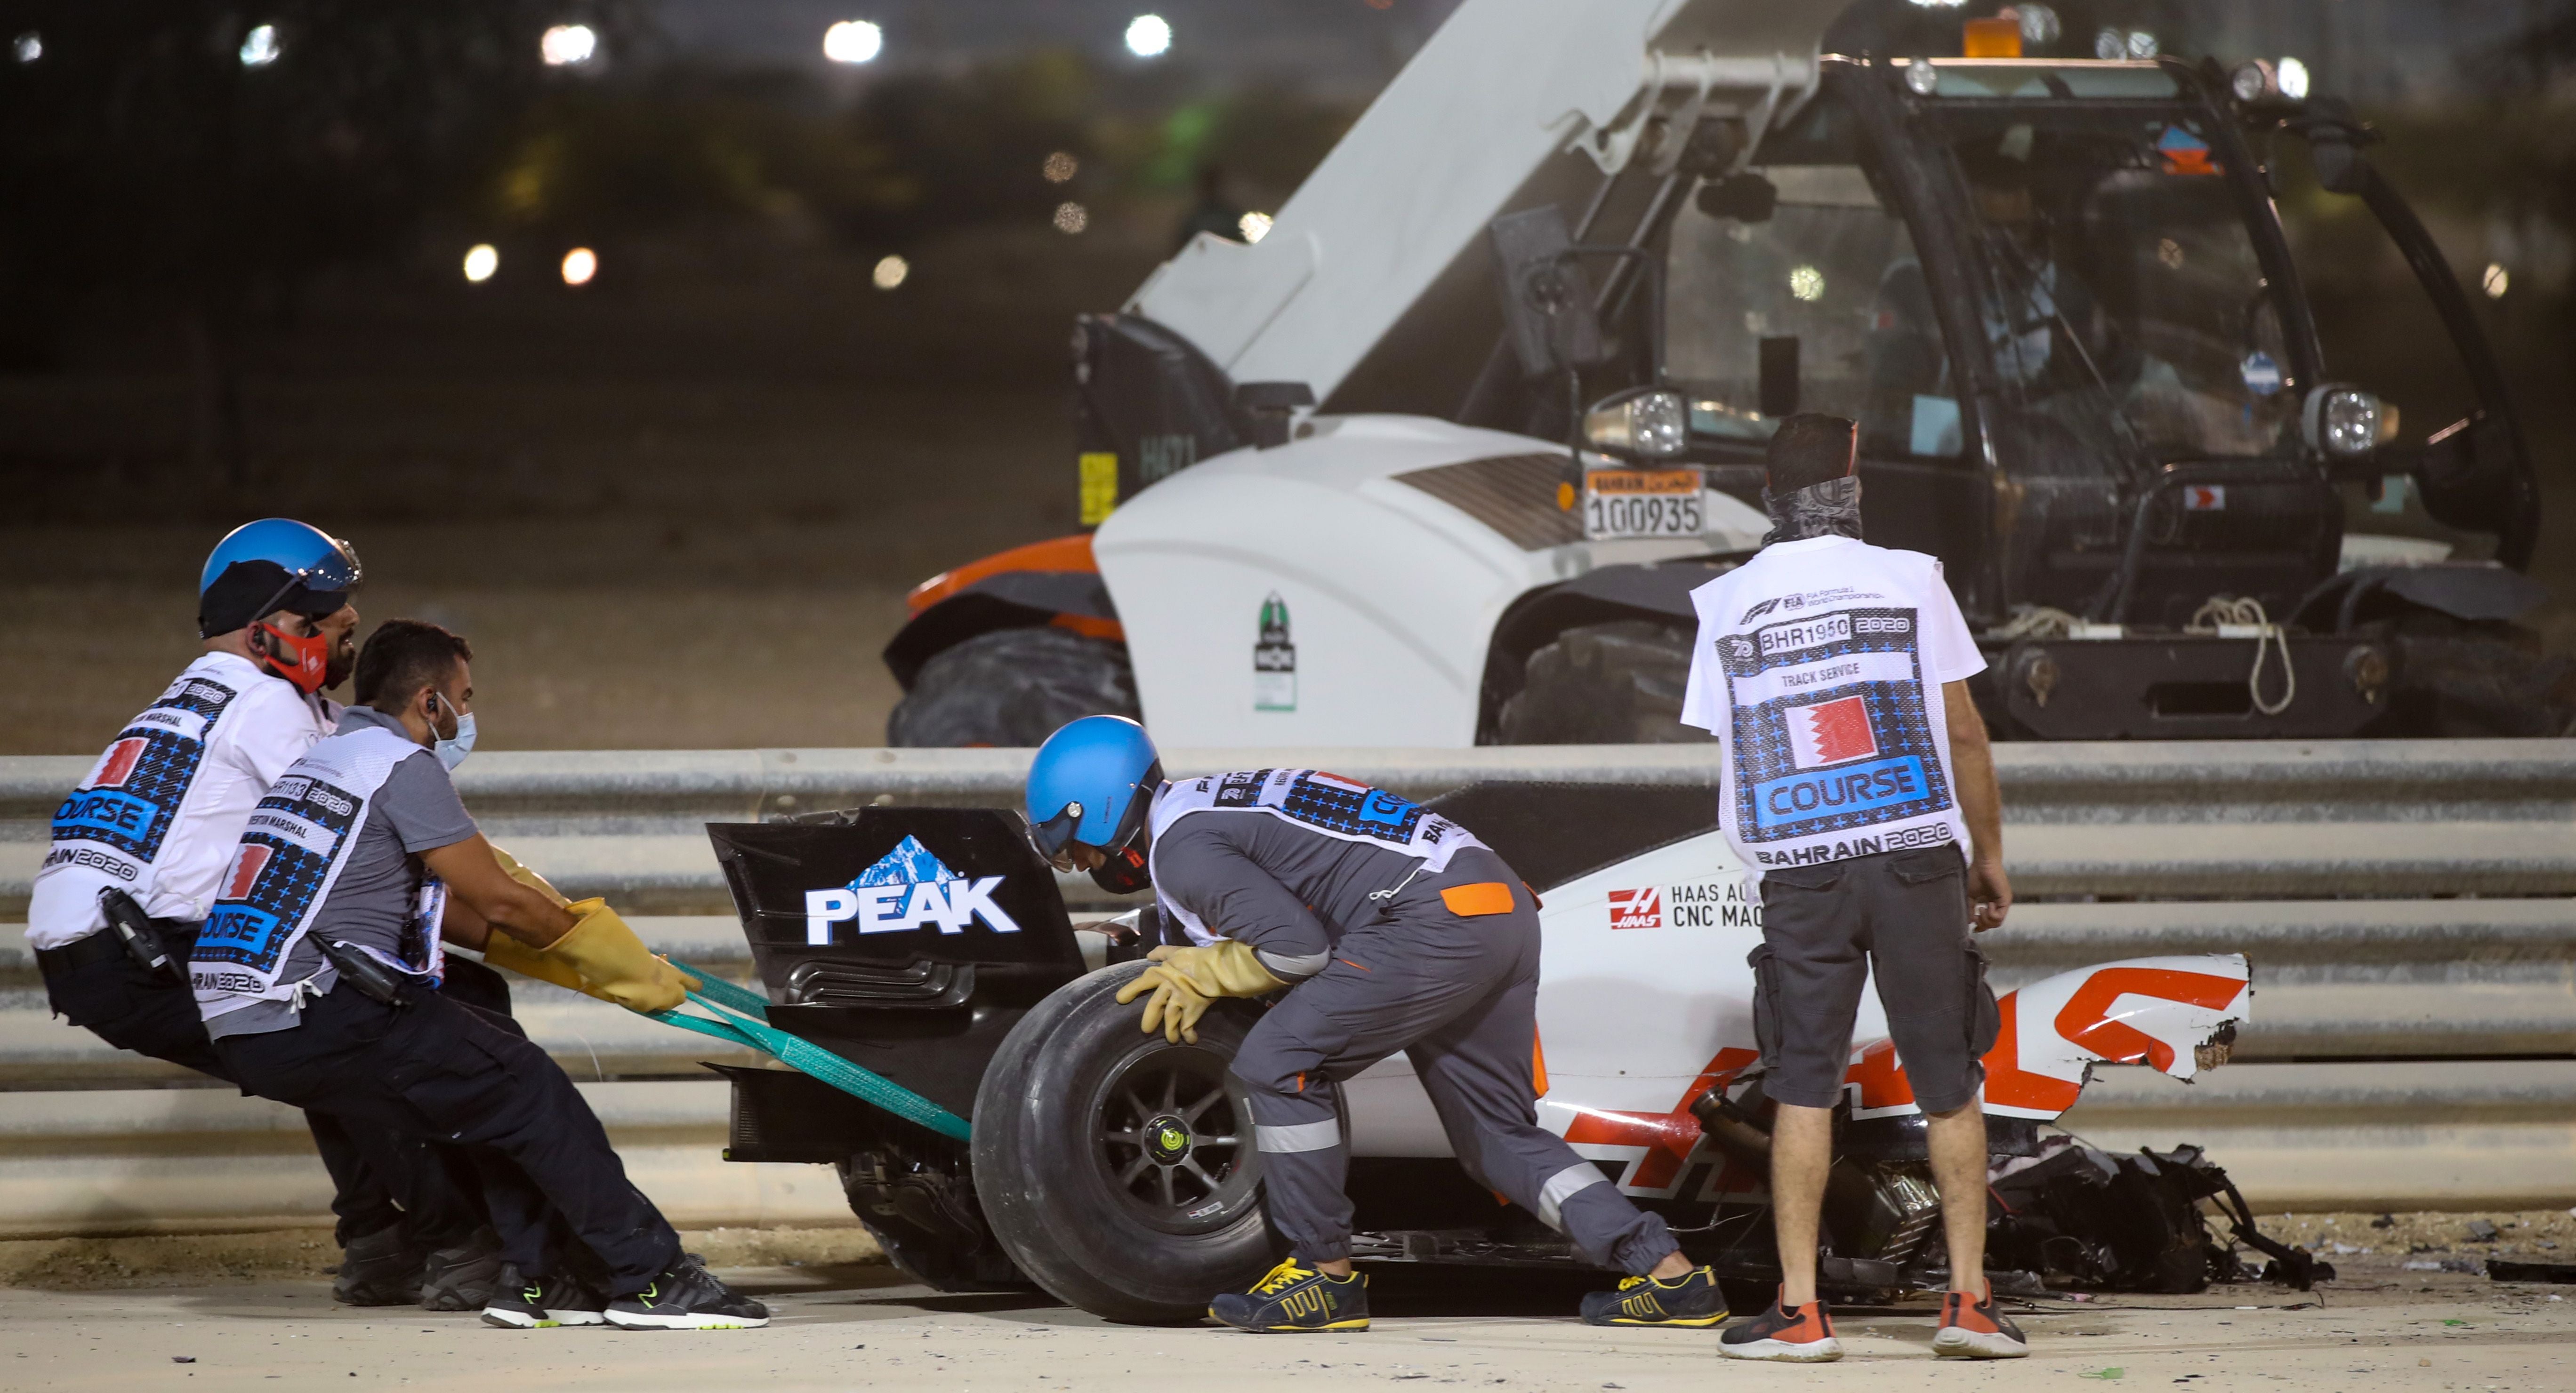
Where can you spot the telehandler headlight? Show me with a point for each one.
(2344, 422)
(1646, 423)
(2252, 81)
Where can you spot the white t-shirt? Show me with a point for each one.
(1819, 666)
(260, 725)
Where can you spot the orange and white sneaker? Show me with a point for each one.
(1803, 1336)
(1973, 1329)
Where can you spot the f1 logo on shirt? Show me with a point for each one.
(2204, 498)
(1830, 732)
(1637, 909)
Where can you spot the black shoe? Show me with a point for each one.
(687, 1297)
(461, 1278)
(1976, 1330)
(1689, 1299)
(1803, 1336)
(378, 1269)
(1295, 1297)
(542, 1303)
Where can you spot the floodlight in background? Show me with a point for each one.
(853, 41)
(1060, 167)
(27, 47)
(481, 260)
(890, 272)
(579, 265)
(1149, 36)
(2496, 281)
(2293, 77)
(567, 44)
(259, 46)
(1254, 226)
(1071, 218)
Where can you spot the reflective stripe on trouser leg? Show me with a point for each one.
(1561, 1187)
(1305, 1136)
(1303, 1161)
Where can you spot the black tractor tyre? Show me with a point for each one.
(1012, 687)
(1080, 1176)
(1618, 683)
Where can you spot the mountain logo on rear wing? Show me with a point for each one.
(908, 888)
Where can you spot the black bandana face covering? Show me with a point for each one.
(1829, 509)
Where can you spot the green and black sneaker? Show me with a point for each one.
(1296, 1298)
(1689, 1299)
(541, 1303)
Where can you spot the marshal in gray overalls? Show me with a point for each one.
(1397, 931)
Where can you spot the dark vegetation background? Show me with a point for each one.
(679, 506)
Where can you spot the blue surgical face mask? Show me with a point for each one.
(452, 750)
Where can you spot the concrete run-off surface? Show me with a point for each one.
(2380, 1327)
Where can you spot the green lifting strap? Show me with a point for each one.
(741, 1017)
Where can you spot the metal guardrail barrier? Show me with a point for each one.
(2406, 906)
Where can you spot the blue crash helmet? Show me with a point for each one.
(320, 562)
(1092, 782)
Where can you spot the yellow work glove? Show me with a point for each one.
(501, 950)
(515, 870)
(1183, 981)
(614, 964)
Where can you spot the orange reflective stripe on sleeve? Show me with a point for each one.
(1484, 897)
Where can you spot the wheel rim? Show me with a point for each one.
(1173, 1141)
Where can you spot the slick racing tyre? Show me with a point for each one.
(1116, 1169)
(1603, 684)
(1012, 687)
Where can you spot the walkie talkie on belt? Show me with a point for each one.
(373, 979)
(135, 929)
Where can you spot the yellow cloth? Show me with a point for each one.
(1184, 980)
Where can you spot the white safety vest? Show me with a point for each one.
(1317, 801)
(159, 814)
(109, 832)
(298, 840)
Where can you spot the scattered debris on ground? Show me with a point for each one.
(2472, 1236)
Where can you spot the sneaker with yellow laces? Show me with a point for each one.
(1689, 1299)
(1295, 1297)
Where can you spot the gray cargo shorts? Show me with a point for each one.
(1824, 927)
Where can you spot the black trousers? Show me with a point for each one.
(441, 1071)
(378, 1178)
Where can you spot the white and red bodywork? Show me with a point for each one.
(1646, 1002)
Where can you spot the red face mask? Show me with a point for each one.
(306, 662)
(1124, 873)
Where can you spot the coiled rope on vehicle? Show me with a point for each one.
(2221, 612)
(741, 1017)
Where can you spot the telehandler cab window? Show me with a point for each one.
(2123, 301)
(1812, 303)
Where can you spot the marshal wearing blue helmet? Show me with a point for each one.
(141, 849)
(1387, 927)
